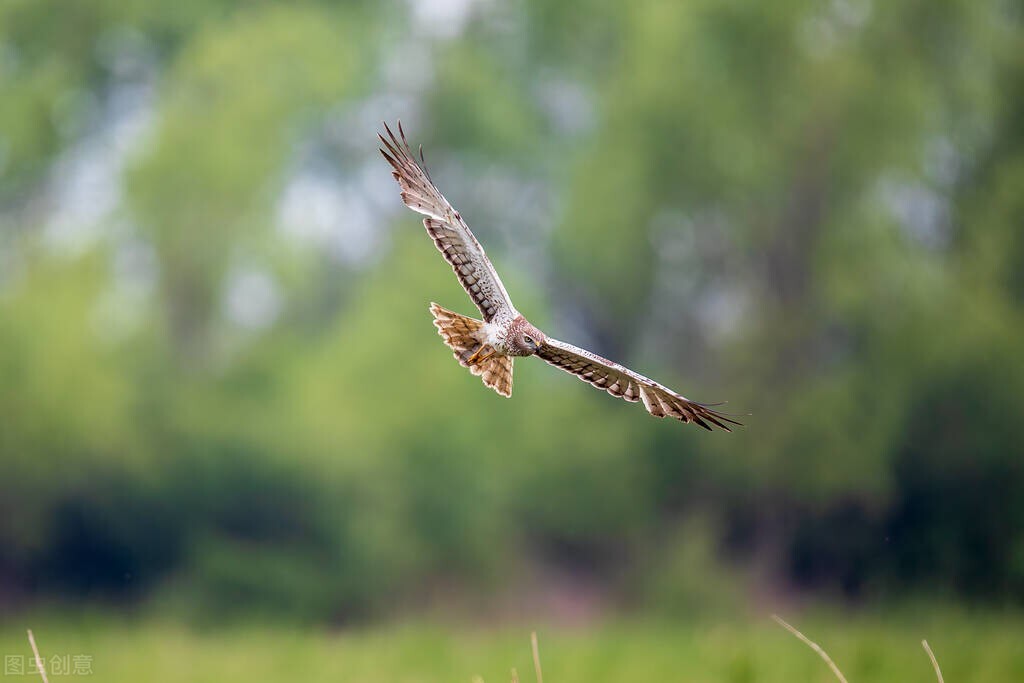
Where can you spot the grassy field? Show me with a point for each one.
(866, 647)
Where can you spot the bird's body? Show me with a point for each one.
(487, 347)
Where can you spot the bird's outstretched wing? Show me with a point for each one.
(619, 381)
(450, 233)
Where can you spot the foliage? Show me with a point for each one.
(868, 648)
(813, 210)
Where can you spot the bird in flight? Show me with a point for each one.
(487, 347)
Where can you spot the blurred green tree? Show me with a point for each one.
(813, 209)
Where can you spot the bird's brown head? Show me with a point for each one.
(526, 338)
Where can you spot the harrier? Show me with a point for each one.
(487, 347)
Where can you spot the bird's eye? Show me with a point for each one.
(529, 340)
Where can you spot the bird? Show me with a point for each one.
(488, 347)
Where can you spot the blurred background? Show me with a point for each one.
(222, 399)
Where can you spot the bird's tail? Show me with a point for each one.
(464, 336)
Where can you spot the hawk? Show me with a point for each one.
(487, 347)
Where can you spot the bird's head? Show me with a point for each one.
(529, 339)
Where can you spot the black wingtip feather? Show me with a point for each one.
(718, 423)
(406, 142)
(423, 165)
(400, 151)
(395, 149)
(394, 145)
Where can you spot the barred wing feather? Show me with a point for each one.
(445, 226)
(620, 381)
